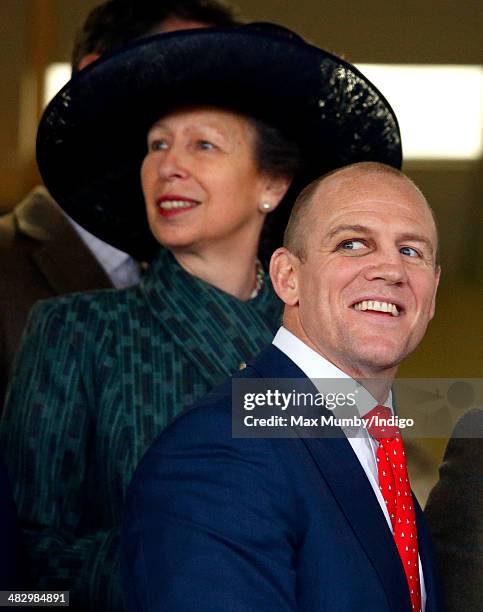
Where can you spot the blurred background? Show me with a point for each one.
(35, 34)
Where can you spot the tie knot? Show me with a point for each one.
(380, 423)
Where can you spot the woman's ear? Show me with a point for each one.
(284, 275)
(274, 189)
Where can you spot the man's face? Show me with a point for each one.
(366, 290)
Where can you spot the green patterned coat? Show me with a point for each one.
(98, 377)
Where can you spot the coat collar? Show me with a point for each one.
(340, 468)
(61, 256)
(217, 331)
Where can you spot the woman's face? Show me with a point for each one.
(200, 180)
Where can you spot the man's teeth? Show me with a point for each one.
(377, 306)
(170, 204)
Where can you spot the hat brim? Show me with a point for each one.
(92, 137)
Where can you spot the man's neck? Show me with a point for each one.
(377, 381)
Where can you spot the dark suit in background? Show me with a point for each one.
(455, 515)
(41, 256)
(215, 523)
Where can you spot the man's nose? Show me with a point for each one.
(173, 165)
(387, 266)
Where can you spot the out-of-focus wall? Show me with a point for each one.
(33, 33)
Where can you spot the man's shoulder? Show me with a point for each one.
(208, 417)
(37, 216)
(202, 435)
(211, 416)
(215, 407)
(464, 453)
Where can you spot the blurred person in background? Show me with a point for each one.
(455, 515)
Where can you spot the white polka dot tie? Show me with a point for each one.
(396, 491)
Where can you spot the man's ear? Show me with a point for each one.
(437, 274)
(87, 59)
(284, 275)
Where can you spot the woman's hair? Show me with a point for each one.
(275, 154)
(279, 156)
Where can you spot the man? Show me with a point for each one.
(44, 253)
(455, 515)
(215, 522)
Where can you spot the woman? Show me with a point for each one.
(100, 374)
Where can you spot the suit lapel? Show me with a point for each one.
(69, 266)
(344, 475)
(434, 601)
(348, 482)
(61, 257)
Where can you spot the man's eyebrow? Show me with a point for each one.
(339, 229)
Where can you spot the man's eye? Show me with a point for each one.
(205, 145)
(409, 251)
(352, 245)
(158, 145)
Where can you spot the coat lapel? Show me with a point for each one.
(343, 473)
(61, 256)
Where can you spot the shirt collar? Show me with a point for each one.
(108, 256)
(317, 367)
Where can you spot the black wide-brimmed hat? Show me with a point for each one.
(92, 136)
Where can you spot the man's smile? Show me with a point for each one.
(377, 306)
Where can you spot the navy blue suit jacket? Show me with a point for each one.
(219, 524)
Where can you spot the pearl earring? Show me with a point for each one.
(265, 206)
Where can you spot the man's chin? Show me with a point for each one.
(379, 356)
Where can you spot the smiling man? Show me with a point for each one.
(315, 523)
(358, 273)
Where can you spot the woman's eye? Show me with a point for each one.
(352, 245)
(158, 145)
(409, 251)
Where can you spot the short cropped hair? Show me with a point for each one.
(295, 235)
(116, 22)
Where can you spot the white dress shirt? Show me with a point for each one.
(119, 266)
(314, 366)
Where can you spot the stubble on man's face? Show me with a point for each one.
(368, 283)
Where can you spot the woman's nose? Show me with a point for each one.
(172, 165)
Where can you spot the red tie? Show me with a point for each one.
(396, 491)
